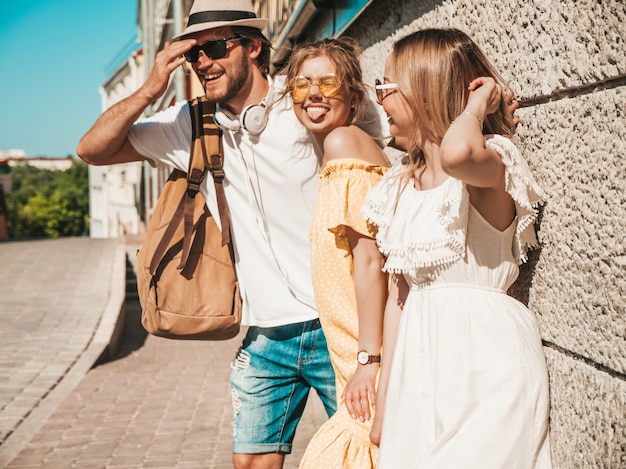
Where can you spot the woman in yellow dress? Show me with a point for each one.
(329, 98)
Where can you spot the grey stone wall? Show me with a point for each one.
(566, 62)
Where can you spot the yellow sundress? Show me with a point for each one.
(341, 442)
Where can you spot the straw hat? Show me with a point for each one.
(211, 14)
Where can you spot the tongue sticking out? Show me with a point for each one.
(315, 113)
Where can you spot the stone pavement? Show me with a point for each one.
(81, 383)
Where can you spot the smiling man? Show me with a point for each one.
(271, 167)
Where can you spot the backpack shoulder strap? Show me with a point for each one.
(213, 155)
(206, 152)
(197, 165)
(181, 208)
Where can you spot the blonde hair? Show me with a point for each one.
(344, 53)
(433, 68)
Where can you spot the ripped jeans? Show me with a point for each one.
(270, 381)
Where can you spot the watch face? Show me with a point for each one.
(363, 357)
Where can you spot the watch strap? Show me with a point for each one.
(370, 358)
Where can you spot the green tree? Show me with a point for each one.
(49, 204)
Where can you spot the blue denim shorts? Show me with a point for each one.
(270, 381)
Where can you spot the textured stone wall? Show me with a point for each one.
(566, 61)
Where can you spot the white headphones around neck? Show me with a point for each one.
(253, 118)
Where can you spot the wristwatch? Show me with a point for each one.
(365, 358)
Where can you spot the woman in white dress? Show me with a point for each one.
(463, 380)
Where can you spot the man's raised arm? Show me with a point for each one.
(107, 141)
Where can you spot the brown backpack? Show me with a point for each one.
(185, 274)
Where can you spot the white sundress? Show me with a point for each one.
(468, 385)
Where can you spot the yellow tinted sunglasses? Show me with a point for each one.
(299, 87)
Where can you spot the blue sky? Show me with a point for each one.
(54, 55)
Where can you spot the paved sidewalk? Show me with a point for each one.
(59, 301)
(158, 403)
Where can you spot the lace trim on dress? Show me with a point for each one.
(408, 248)
(526, 193)
(380, 201)
(399, 214)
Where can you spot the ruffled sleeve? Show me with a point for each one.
(344, 184)
(381, 200)
(524, 190)
(406, 234)
(422, 229)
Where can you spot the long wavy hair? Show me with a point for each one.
(433, 68)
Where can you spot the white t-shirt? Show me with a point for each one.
(270, 186)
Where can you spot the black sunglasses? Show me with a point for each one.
(212, 49)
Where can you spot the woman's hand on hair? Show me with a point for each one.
(512, 103)
(487, 90)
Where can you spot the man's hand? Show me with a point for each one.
(107, 140)
(165, 62)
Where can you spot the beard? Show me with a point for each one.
(236, 80)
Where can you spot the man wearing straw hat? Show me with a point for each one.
(271, 168)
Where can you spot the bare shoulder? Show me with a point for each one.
(352, 142)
